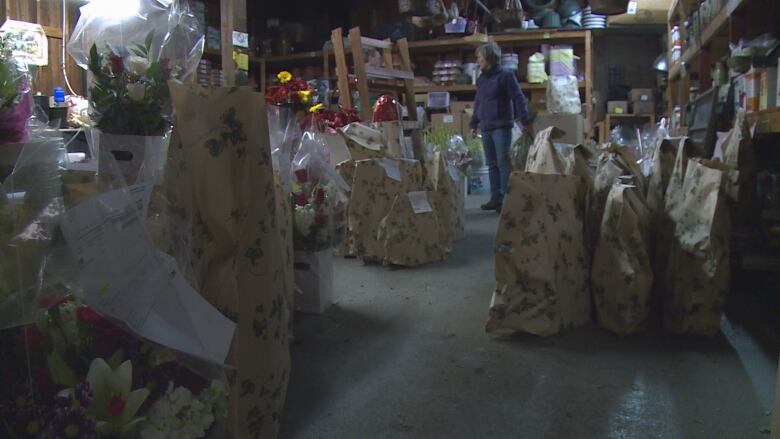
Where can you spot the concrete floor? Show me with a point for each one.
(404, 354)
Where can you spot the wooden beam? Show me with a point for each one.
(342, 73)
(226, 26)
(406, 64)
(589, 82)
(360, 72)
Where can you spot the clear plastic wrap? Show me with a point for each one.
(132, 48)
(285, 134)
(319, 196)
(563, 95)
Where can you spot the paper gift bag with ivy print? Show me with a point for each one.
(547, 158)
(363, 141)
(346, 170)
(540, 257)
(662, 167)
(408, 232)
(699, 270)
(614, 161)
(376, 184)
(237, 227)
(449, 201)
(622, 276)
(739, 154)
(393, 139)
(664, 235)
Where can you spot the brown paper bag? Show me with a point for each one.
(545, 158)
(396, 146)
(540, 257)
(363, 141)
(449, 201)
(663, 165)
(226, 170)
(664, 234)
(376, 184)
(622, 276)
(409, 231)
(346, 170)
(698, 276)
(614, 161)
(739, 154)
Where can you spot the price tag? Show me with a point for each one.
(420, 203)
(391, 167)
(241, 39)
(448, 118)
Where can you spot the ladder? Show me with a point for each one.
(398, 81)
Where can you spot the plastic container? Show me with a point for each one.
(438, 99)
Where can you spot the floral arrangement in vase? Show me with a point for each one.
(129, 94)
(75, 374)
(317, 212)
(326, 120)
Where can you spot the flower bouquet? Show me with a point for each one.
(15, 106)
(318, 212)
(75, 374)
(130, 60)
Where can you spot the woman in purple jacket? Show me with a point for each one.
(499, 104)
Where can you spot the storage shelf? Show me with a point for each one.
(473, 88)
(632, 116)
(293, 57)
(527, 38)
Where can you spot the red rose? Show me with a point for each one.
(43, 382)
(117, 64)
(321, 219)
(302, 175)
(314, 180)
(89, 316)
(115, 406)
(301, 199)
(320, 195)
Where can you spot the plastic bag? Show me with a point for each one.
(563, 95)
(15, 102)
(284, 133)
(319, 197)
(132, 48)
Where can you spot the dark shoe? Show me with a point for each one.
(491, 205)
(498, 208)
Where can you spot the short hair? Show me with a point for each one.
(491, 52)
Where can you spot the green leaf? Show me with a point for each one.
(137, 52)
(148, 42)
(133, 403)
(116, 359)
(131, 426)
(61, 373)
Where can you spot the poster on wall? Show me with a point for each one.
(27, 41)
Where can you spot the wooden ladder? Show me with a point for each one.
(400, 82)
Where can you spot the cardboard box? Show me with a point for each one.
(617, 107)
(458, 107)
(643, 108)
(571, 124)
(647, 12)
(641, 95)
(768, 88)
(452, 121)
(747, 91)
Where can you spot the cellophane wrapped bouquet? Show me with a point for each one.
(319, 197)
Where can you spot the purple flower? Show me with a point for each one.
(70, 421)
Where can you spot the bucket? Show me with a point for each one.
(479, 182)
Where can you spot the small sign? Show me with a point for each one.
(27, 41)
(241, 39)
(420, 203)
(632, 7)
(448, 118)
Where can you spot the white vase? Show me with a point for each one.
(137, 159)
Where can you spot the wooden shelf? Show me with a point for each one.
(632, 116)
(315, 56)
(528, 38)
(473, 88)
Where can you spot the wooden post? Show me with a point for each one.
(360, 72)
(342, 73)
(406, 64)
(226, 25)
(263, 75)
(776, 411)
(589, 81)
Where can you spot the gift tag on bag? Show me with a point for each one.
(391, 167)
(420, 203)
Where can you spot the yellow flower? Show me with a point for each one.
(316, 108)
(305, 96)
(284, 77)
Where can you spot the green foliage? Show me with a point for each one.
(111, 104)
(438, 136)
(10, 80)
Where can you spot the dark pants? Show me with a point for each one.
(497, 144)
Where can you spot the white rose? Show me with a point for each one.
(137, 65)
(136, 92)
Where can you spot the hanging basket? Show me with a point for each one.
(609, 7)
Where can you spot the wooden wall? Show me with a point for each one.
(48, 13)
